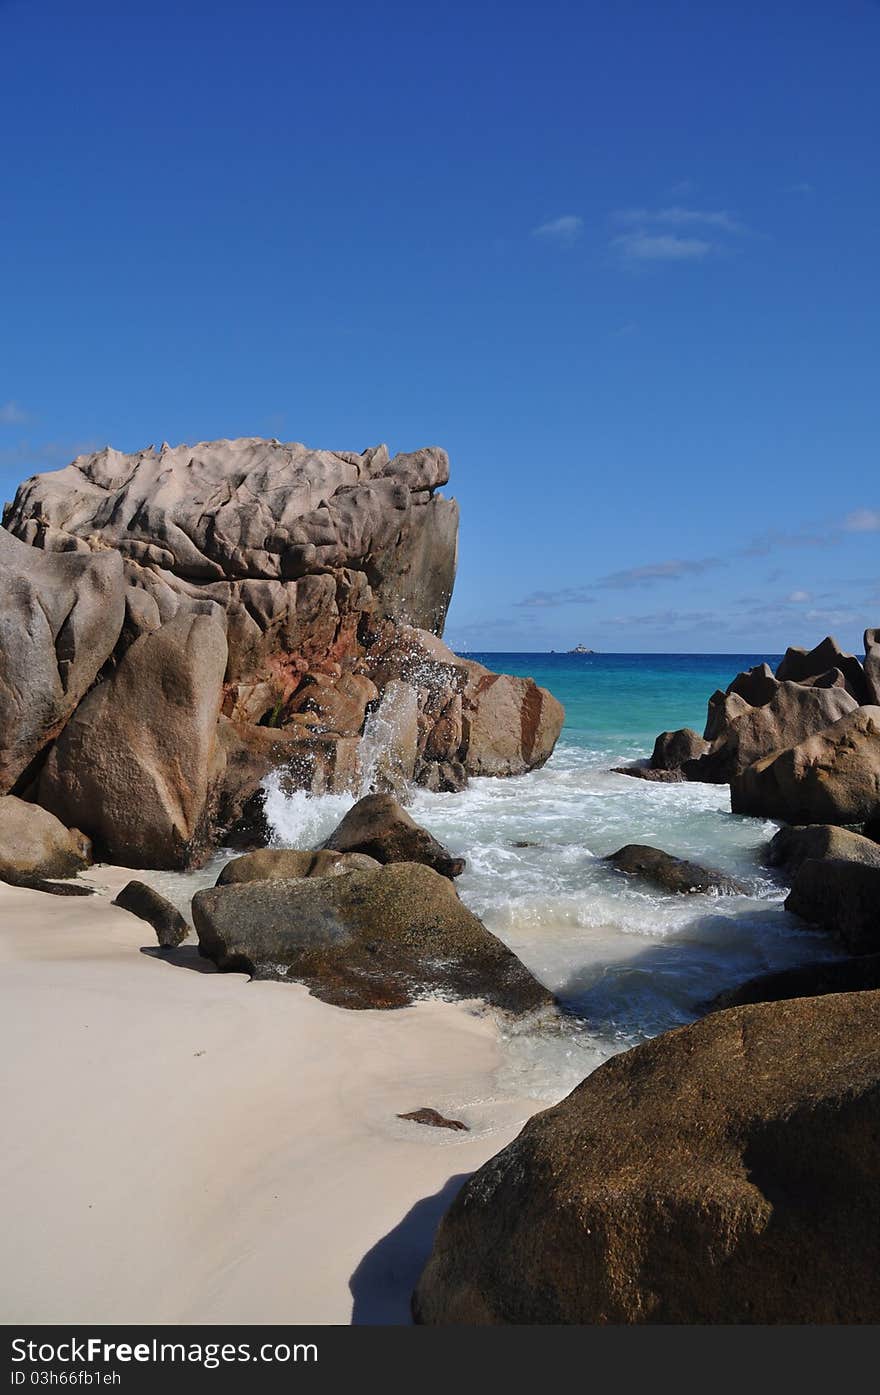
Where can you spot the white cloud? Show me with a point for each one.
(661, 247)
(565, 229)
(12, 415)
(798, 597)
(678, 217)
(863, 521)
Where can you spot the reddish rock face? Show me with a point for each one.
(329, 575)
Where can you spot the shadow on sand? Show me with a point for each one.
(383, 1282)
(183, 957)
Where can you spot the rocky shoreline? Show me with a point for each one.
(176, 625)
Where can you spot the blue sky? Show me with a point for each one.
(619, 257)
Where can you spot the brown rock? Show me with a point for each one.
(842, 897)
(433, 1119)
(832, 777)
(373, 939)
(288, 864)
(673, 748)
(60, 618)
(721, 1173)
(149, 905)
(872, 666)
(791, 847)
(674, 874)
(859, 974)
(133, 765)
(34, 845)
(510, 725)
(800, 665)
(379, 827)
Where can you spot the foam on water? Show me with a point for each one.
(627, 961)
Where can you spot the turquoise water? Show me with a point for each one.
(617, 703)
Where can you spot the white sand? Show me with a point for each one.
(187, 1146)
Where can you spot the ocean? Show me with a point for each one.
(626, 960)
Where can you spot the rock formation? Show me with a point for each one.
(368, 939)
(842, 897)
(149, 905)
(35, 846)
(245, 606)
(721, 1173)
(831, 777)
(378, 827)
(761, 712)
(858, 974)
(791, 847)
(675, 874)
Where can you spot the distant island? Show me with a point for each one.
(582, 649)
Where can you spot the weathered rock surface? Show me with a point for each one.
(859, 974)
(60, 618)
(330, 574)
(832, 777)
(149, 905)
(842, 897)
(721, 1173)
(379, 827)
(790, 847)
(510, 724)
(761, 713)
(369, 939)
(288, 864)
(744, 734)
(673, 749)
(674, 874)
(133, 766)
(803, 665)
(872, 666)
(34, 845)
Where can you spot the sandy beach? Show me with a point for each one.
(191, 1147)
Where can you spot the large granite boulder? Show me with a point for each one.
(842, 897)
(832, 777)
(262, 510)
(721, 1173)
(60, 617)
(330, 574)
(791, 847)
(369, 939)
(133, 767)
(510, 725)
(34, 845)
(675, 874)
(761, 712)
(289, 864)
(741, 734)
(379, 827)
